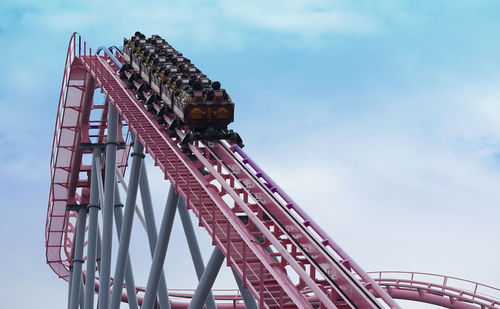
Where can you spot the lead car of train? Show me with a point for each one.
(168, 82)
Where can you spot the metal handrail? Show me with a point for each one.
(324, 239)
(477, 291)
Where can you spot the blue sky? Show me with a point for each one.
(382, 119)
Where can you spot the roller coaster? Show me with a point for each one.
(279, 256)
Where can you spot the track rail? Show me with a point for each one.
(265, 236)
(441, 290)
(266, 276)
(74, 125)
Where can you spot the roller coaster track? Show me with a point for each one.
(276, 251)
(440, 290)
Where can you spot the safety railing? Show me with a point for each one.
(463, 289)
(59, 229)
(313, 229)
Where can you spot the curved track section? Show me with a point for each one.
(440, 290)
(281, 256)
(74, 126)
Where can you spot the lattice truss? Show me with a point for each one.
(278, 255)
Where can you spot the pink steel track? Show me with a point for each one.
(233, 187)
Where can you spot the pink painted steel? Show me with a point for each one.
(446, 291)
(65, 165)
(60, 166)
(318, 236)
(220, 204)
(277, 289)
(329, 259)
(199, 194)
(264, 235)
(225, 182)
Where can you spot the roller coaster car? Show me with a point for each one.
(168, 82)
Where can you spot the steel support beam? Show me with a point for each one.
(93, 209)
(98, 258)
(78, 257)
(82, 294)
(194, 249)
(70, 284)
(129, 275)
(126, 227)
(107, 211)
(207, 279)
(98, 253)
(160, 250)
(125, 188)
(147, 205)
(245, 293)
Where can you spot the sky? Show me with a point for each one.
(380, 118)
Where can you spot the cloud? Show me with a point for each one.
(230, 24)
(397, 193)
(301, 18)
(388, 138)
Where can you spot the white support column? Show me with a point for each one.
(160, 250)
(194, 249)
(245, 293)
(82, 294)
(78, 256)
(129, 275)
(93, 209)
(70, 285)
(151, 230)
(126, 228)
(125, 188)
(107, 211)
(207, 279)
